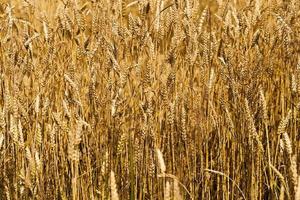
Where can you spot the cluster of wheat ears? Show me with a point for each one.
(150, 99)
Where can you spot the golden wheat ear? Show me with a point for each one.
(113, 186)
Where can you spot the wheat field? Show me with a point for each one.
(150, 99)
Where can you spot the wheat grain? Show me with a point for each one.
(161, 161)
(155, 91)
(113, 186)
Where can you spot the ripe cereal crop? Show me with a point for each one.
(150, 99)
